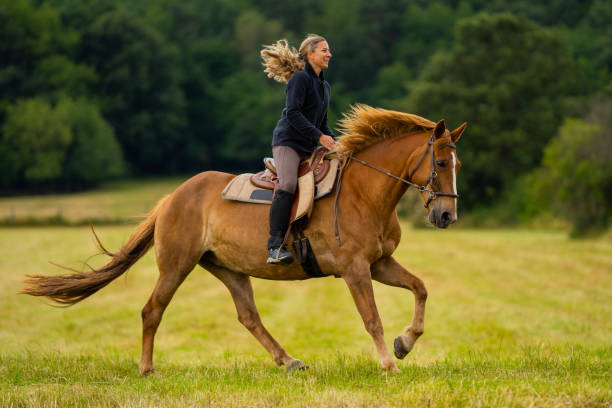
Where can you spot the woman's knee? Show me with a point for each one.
(288, 184)
(287, 161)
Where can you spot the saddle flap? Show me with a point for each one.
(303, 203)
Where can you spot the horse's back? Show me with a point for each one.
(180, 220)
(205, 183)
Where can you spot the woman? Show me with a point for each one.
(302, 126)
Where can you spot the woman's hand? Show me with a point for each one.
(328, 142)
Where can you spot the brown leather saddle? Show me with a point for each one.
(267, 179)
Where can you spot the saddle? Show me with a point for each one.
(311, 172)
(267, 179)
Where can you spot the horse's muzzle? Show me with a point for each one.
(441, 219)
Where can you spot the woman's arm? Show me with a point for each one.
(326, 129)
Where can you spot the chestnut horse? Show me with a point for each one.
(193, 225)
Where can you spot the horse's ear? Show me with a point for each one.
(456, 134)
(439, 129)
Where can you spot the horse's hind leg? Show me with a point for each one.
(241, 290)
(172, 272)
(390, 272)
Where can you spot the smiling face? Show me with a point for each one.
(319, 58)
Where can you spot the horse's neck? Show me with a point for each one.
(397, 156)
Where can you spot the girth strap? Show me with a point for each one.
(304, 252)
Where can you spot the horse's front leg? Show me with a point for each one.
(390, 272)
(359, 282)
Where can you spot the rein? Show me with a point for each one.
(433, 178)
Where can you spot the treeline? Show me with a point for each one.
(93, 89)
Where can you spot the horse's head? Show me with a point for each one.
(437, 169)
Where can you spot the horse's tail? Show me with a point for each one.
(72, 288)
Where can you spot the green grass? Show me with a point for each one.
(514, 318)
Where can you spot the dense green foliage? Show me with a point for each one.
(70, 145)
(577, 172)
(181, 86)
(506, 76)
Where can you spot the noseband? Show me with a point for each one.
(432, 180)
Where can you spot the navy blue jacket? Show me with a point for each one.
(304, 118)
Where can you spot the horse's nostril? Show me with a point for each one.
(446, 217)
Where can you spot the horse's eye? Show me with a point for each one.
(441, 163)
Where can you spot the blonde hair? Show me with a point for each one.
(281, 62)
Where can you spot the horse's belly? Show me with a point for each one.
(237, 239)
(255, 266)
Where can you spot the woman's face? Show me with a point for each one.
(319, 58)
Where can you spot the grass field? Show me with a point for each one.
(113, 202)
(514, 318)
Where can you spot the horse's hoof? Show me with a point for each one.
(402, 346)
(389, 366)
(147, 371)
(296, 365)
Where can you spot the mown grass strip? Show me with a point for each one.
(340, 380)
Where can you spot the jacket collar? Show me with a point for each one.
(312, 72)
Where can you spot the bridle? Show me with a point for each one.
(432, 180)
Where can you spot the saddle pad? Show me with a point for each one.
(240, 187)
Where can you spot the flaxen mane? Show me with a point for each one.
(365, 125)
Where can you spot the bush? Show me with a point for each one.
(577, 172)
(33, 144)
(94, 154)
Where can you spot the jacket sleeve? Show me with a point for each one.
(296, 94)
(326, 129)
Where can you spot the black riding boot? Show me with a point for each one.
(279, 222)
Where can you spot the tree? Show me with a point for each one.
(506, 77)
(37, 54)
(390, 84)
(140, 76)
(249, 107)
(251, 30)
(34, 143)
(592, 42)
(94, 154)
(425, 30)
(69, 145)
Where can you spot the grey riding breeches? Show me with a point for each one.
(287, 161)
